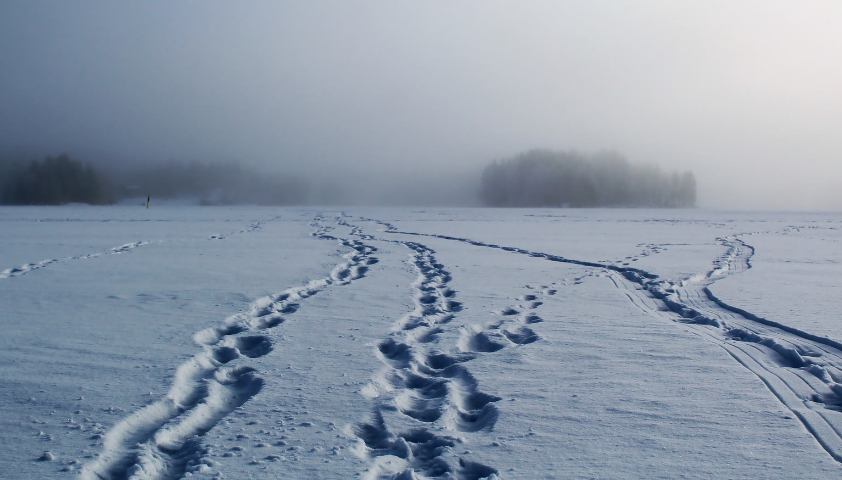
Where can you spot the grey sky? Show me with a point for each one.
(744, 93)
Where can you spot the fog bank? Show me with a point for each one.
(744, 94)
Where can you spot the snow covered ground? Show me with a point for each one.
(244, 342)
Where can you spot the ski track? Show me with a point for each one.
(26, 268)
(252, 227)
(426, 399)
(803, 371)
(162, 441)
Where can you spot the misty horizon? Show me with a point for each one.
(378, 97)
(537, 178)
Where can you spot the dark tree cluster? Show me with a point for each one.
(62, 180)
(545, 178)
(52, 181)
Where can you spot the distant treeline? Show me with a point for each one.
(52, 181)
(545, 178)
(538, 178)
(62, 180)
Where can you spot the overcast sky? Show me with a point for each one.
(746, 94)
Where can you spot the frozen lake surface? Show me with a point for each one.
(267, 343)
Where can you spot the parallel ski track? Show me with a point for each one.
(803, 371)
(162, 441)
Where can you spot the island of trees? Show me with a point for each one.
(546, 178)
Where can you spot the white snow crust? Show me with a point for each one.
(255, 342)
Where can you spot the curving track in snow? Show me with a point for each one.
(802, 370)
(427, 402)
(163, 440)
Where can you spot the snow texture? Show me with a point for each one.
(187, 342)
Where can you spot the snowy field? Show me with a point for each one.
(303, 343)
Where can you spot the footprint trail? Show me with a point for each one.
(252, 227)
(163, 439)
(26, 268)
(803, 371)
(426, 399)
